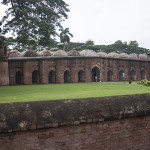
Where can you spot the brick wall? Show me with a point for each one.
(127, 134)
(4, 72)
(106, 123)
(74, 65)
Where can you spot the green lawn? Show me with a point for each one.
(67, 91)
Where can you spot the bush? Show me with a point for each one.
(130, 81)
(145, 82)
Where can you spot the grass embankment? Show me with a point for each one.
(67, 91)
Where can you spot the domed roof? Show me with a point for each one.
(113, 54)
(30, 53)
(14, 53)
(60, 53)
(102, 54)
(73, 53)
(143, 56)
(45, 53)
(123, 55)
(87, 52)
(133, 56)
(52, 53)
(22, 53)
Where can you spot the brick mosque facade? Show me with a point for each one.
(70, 69)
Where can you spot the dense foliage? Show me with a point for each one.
(33, 23)
(65, 36)
(144, 82)
(2, 41)
(118, 47)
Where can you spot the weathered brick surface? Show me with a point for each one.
(45, 114)
(4, 72)
(74, 65)
(106, 123)
(127, 134)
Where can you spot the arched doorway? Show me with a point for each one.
(95, 74)
(132, 75)
(110, 75)
(35, 77)
(18, 77)
(81, 76)
(143, 75)
(52, 77)
(66, 76)
(121, 75)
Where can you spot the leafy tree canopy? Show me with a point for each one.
(65, 36)
(2, 41)
(118, 47)
(89, 43)
(33, 22)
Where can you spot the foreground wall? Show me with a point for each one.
(107, 123)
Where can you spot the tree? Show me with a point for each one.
(133, 43)
(2, 41)
(133, 47)
(89, 43)
(119, 42)
(65, 36)
(120, 47)
(34, 22)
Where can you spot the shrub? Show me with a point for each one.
(145, 82)
(130, 81)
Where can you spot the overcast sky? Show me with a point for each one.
(106, 21)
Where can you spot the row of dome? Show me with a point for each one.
(32, 53)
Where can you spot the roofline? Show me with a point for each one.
(66, 57)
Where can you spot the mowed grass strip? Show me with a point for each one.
(68, 91)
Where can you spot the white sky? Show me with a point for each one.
(106, 21)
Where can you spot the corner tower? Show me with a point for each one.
(4, 73)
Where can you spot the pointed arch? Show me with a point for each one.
(110, 75)
(95, 74)
(143, 75)
(121, 75)
(52, 77)
(18, 77)
(66, 76)
(132, 75)
(35, 77)
(81, 77)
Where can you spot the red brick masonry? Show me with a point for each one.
(106, 69)
(106, 123)
(127, 134)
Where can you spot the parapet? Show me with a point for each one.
(56, 113)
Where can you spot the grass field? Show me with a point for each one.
(67, 91)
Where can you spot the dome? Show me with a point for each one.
(45, 53)
(60, 53)
(102, 54)
(22, 53)
(30, 53)
(87, 52)
(133, 56)
(14, 53)
(73, 53)
(143, 56)
(113, 55)
(123, 55)
(52, 53)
